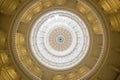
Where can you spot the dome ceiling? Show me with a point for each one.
(57, 39)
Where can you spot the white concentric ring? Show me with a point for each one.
(75, 39)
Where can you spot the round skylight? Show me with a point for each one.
(59, 39)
